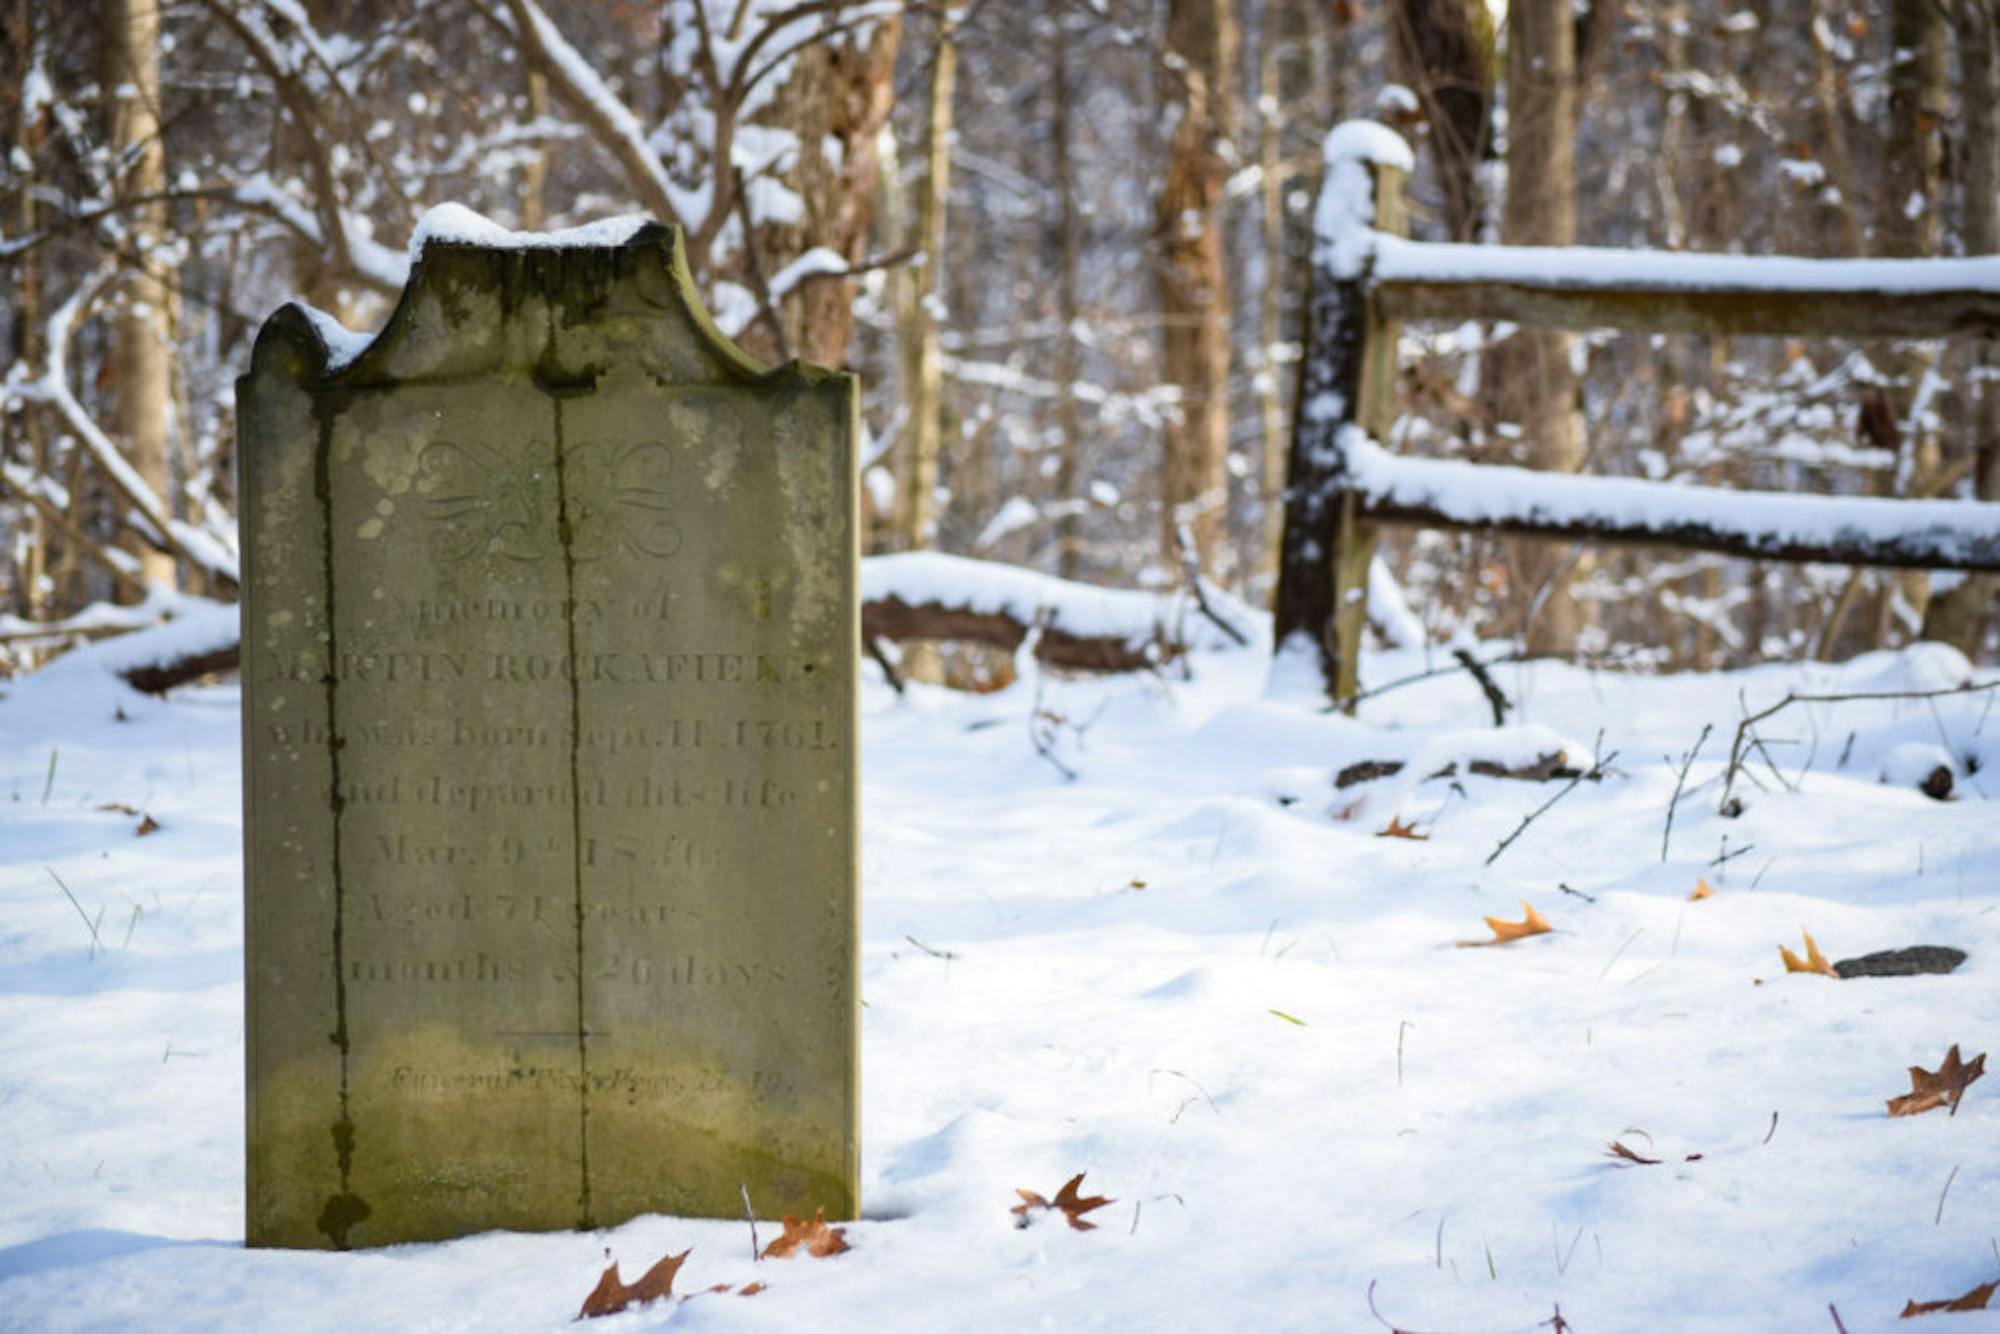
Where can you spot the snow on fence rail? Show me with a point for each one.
(1367, 278)
(1762, 525)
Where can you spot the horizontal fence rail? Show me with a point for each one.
(1586, 288)
(1368, 279)
(1759, 525)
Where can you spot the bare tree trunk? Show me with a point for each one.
(917, 319)
(1270, 305)
(537, 173)
(1194, 292)
(1960, 615)
(1529, 374)
(142, 331)
(1907, 228)
(1443, 50)
(840, 88)
(1069, 248)
(32, 572)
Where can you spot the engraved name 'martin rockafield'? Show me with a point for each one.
(658, 734)
(385, 665)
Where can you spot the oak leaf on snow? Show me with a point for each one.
(1534, 924)
(1814, 962)
(1972, 1301)
(1942, 1087)
(611, 1295)
(818, 1239)
(1072, 1205)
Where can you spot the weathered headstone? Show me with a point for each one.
(549, 635)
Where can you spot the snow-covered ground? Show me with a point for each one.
(1193, 972)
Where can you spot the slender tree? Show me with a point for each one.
(139, 366)
(1194, 293)
(919, 293)
(1529, 374)
(1960, 616)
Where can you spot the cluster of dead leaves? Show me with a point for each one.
(1068, 1202)
(1942, 1087)
(1534, 924)
(815, 1236)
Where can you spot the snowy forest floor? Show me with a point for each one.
(1194, 972)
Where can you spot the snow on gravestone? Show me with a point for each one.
(549, 629)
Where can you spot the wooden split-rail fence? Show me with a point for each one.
(1367, 280)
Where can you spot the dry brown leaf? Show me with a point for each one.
(813, 1234)
(1702, 890)
(611, 1296)
(1618, 1149)
(1972, 1301)
(1397, 829)
(148, 825)
(1814, 962)
(1534, 924)
(1940, 1088)
(1072, 1205)
(119, 808)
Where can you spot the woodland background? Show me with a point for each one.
(1064, 242)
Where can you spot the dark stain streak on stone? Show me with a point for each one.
(344, 1209)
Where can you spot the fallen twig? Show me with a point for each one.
(1680, 783)
(1198, 585)
(1738, 750)
(1596, 767)
(1495, 698)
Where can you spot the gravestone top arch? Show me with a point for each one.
(550, 765)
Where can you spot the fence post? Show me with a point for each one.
(1347, 377)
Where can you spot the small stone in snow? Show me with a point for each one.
(1902, 963)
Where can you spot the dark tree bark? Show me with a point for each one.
(1443, 51)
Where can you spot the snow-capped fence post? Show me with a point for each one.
(1346, 379)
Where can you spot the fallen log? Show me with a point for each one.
(1541, 769)
(894, 619)
(157, 678)
(891, 619)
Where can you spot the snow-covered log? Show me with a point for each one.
(929, 595)
(919, 595)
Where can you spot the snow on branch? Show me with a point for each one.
(208, 551)
(1923, 534)
(611, 122)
